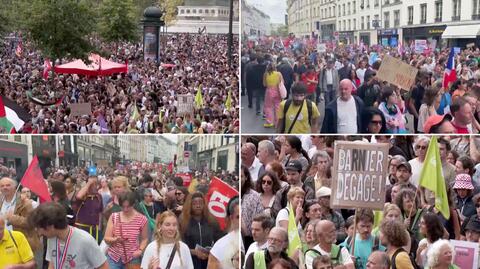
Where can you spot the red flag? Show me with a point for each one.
(47, 66)
(217, 199)
(33, 179)
(187, 178)
(170, 167)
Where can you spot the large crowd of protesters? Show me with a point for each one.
(344, 79)
(119, 217)
(188, 62)
(284, 173)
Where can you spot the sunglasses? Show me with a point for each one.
(421, 147)
(267, 182)
(376, 122)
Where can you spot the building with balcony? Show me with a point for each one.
(254, 21)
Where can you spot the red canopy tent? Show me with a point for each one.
(98, 67)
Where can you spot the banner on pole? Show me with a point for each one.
(217, 198)
(359, 174)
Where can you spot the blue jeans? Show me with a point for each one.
(119, 265)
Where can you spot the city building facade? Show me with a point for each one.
(254, 21)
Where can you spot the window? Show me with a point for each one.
(349, 25)
(206, 11)
(182, 11)
(386, 18)
(375, 3)
(339, 11)
(476, 8)
(387, 2)
(354, 24)
(200, 11)
(368, 22)
(410, 15)
(332, 14)
(456, 10)
(438, 11)
(343, 6)
(349, 10)
(423, 13)
(362, 25)
(396, 18)
(368, 3)
(355, 8)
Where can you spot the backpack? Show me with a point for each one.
(394, 257)
(335, 254)
(287, 106)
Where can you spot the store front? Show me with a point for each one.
(14, 155)
(429, 33)
(462, 35)
(365, 38)
(387, 37)
(326, 32)
(346, 37)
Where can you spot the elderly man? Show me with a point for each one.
(378, 260)
(250, 160)
(265, 154)
(343, 115)
(15, 211)
(277, 244)
(16, 252)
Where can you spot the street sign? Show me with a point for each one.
(186, 154)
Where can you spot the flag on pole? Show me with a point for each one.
(19, 49)
(293, 237)
(103, 124)
(228, 102)
(12, 116)
(170, 167)
(432, 178)
(449, 75)
(33, 179)
(199, 98)
(47, 67)
(217, 198)
(135, 114)
(400, 48)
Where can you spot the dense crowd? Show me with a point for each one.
(287, 80)
(144, 100)
(287, 179)
(117, 217)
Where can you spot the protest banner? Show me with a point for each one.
(420, 45)
(186, 104)
(322, 47)
(397, 72)
(471, 45)
(186, 177)
(466, 254)
(102, 163)
(456, 50)
(217, 198)
(359, 174)
(80, 109)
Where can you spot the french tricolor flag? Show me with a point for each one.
(450, 75)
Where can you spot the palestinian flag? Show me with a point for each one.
(12, 116)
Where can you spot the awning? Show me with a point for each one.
(462, 31)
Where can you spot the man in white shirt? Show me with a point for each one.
(361, 72)
(261, 226)
(250, 160)
(343, 115)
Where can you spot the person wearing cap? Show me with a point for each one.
(404, 173)
(462, 116)
(326, 213)
(294, 178)
(476, 202)
(328, 81)
(439, 124)
(463, 187)
(343, 115)
(472, 230)
(298, 115)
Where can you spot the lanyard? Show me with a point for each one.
(61, 261)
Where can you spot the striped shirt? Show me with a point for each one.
(131, 232)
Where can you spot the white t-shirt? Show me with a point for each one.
(182, 258)
(416, 171)
(346, 116)
(255, 247)
(254, 169)
(226, 248)
(83, 251)
(361, 74)
(346, 259)
(282, 215)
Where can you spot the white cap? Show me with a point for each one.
(323, 191)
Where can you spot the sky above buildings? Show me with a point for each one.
(276, 9)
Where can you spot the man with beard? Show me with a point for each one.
(277, 245)
(298, 115)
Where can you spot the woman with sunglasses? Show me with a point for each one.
(267, 186)
(420, 147)
(251, 205)
(373, 121)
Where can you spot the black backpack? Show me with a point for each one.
(287, 106)
(394, 257)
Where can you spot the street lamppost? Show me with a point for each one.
(230, 34)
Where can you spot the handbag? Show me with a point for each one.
(282, 88)
(128, 265)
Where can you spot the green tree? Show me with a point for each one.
(118, 20)
(60, 28)
(170, 9)
(280, 31)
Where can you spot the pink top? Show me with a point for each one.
(131, 232)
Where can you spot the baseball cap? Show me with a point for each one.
(406, 165)
(294, 165)
(473, 225)
(323, 191)
(435, 120)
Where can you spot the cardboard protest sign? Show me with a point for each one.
(80, 109)
(397, 72)
(420, 45)
(186, 104)
(466, 254)
(102, 163)
(359, 174)
(322, 47)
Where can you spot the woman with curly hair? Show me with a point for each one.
(393, 236)
(431, 227)
(198, 227)
(167, 246)
(267, 186)
(440, 256)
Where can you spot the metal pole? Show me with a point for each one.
(230, 34)
(381, 19)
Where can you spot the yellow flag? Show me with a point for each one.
(432, 178)
(294, 242)
(193, 186)
(135, 114)
(160, 116)
(228, 102)
(199, 98)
